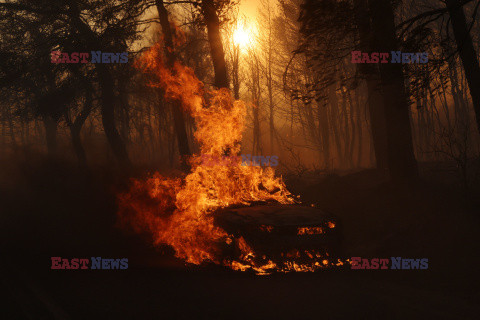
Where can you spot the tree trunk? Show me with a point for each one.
(271, 106)
(178, 116)
(181, 130)
(78, 147)
(376, 108)
(347, 156)
(51, 136)
(236, 71)
(359, 129)
(216, 46)
(467, 54)
(76, 126)
(106, 89)
(324, 133)
(401, 158)
(108, 115)
(335, 124)
(11, 128)
(256, 95)
(353, 128)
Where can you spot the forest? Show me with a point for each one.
(306, 101)
(142, 130)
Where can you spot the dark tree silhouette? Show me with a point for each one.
(178, 116)
(467, 52)
(371, 75)
(401, 158)
(212, 21)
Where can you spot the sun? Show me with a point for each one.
(242, 37)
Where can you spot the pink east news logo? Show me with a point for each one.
(394, 263)
(94, 263)
(84, 57)
(389, 57)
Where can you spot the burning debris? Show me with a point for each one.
(196, 215)
(271, 232)
(309, 230)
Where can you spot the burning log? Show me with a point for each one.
(283, 235)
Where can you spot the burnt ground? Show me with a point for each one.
(56, 210)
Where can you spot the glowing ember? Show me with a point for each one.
(178, 212)
(309, 230)
(266, 228)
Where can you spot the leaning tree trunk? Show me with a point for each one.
(467, 53)
(178, 116)
(216, 46)
(402, 164)
(76, 126)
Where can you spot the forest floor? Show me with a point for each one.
(55, 210)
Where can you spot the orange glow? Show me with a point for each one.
(309, 230)
(266, 228)
(241, 37)
(178, 212)
(244, 35)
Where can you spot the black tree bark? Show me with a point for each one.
(51, 136)
(376, 108)
(107, 92)
(216, 45)
(178, 116)
(402, 164)
(107, 111)
(77, 124)
(467, 53)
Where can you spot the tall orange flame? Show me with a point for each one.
(178, 212)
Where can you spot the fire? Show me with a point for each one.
(309, 230)
(178, 212)
(266, 228)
